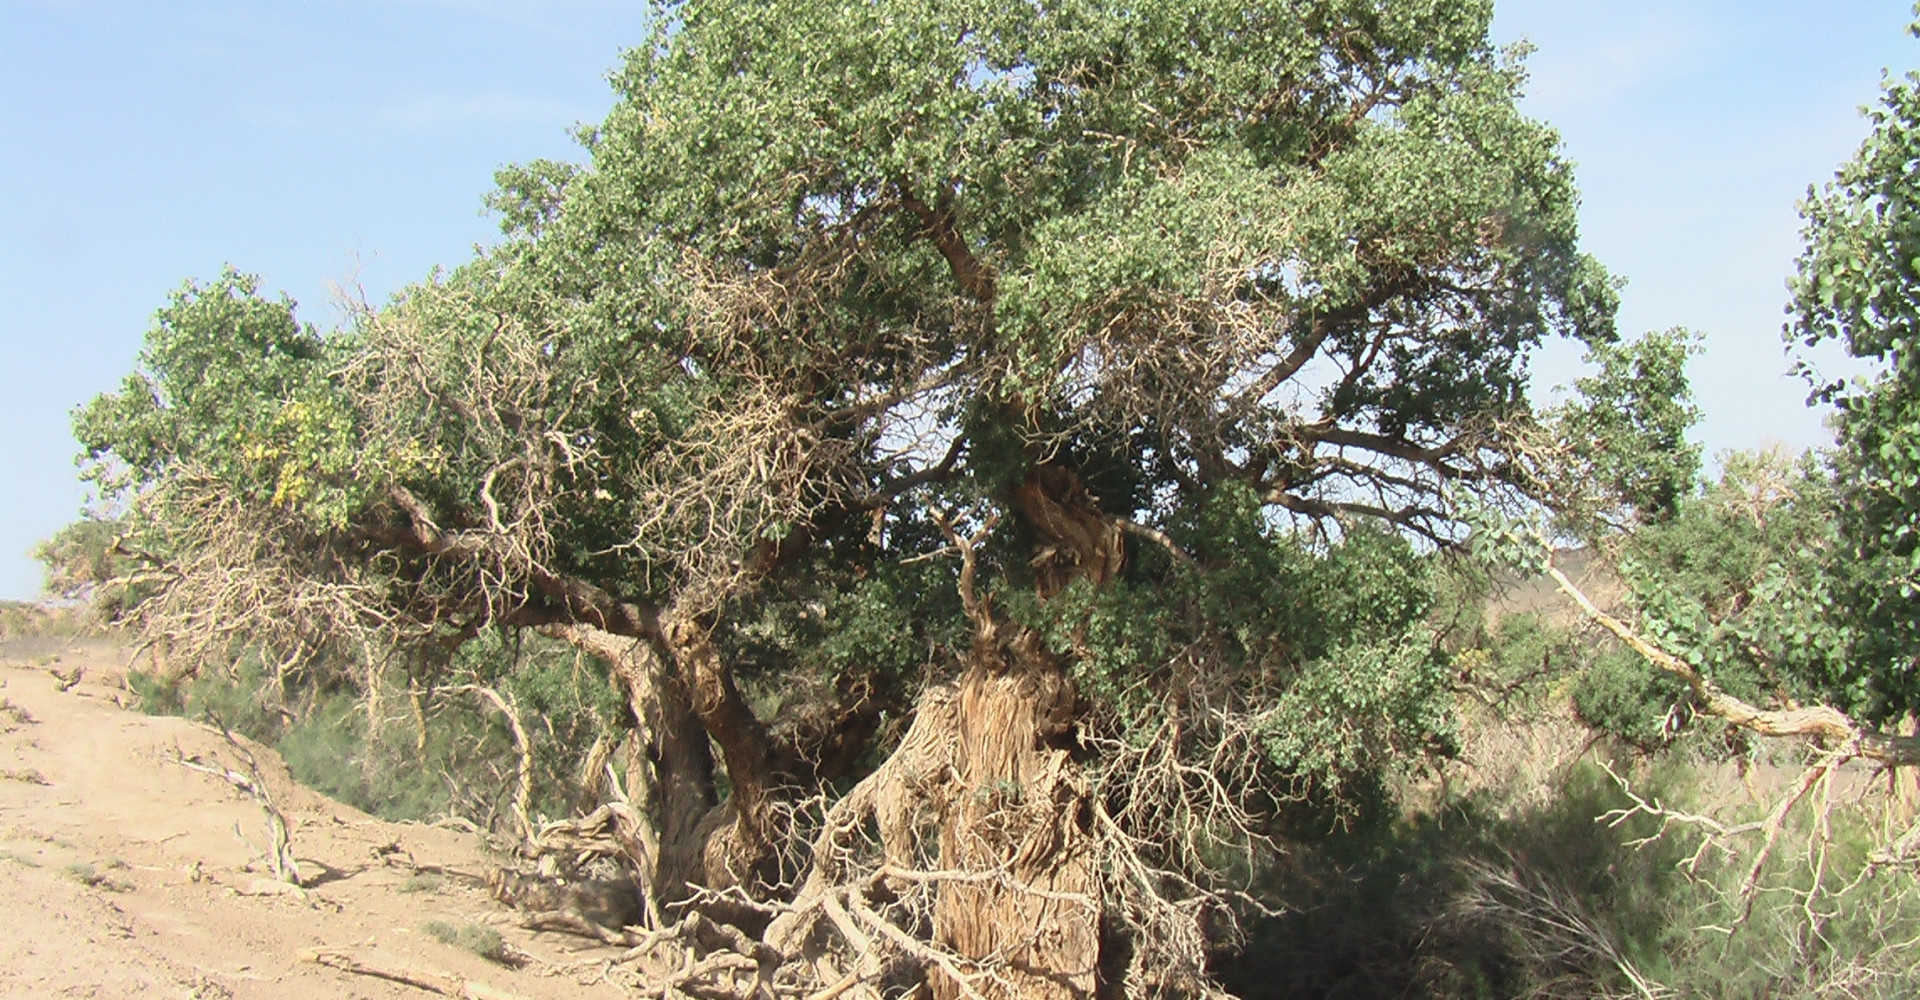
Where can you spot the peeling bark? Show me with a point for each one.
(1076, 539)
(1020, 806)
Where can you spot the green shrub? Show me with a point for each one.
(481, 940)
(1621, 695)
(456, 755)
(421, 882)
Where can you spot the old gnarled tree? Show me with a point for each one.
(991, 443)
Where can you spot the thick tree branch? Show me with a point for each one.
(1158, 537)
(974, 277)
(1381, 444)
(1820, 723)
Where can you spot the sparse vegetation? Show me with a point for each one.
(425, 882)
(85, 873)
(22, 620)
(480, 939)
(14, 715)
(408, 755)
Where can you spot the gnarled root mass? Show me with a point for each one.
(978, 861)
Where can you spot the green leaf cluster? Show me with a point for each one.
(1858, 284)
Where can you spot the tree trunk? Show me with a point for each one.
(1019, 819)
(674, 787)
(1017, 830)
(682, 763)
(739, 851)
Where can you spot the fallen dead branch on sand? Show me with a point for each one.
(253, 785)
(443, 983)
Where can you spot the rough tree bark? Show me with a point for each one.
(1021, 811)
(673, 788)
(738, 847)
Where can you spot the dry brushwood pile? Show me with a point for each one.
(1000, 458)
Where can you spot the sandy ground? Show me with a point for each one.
(123, 873)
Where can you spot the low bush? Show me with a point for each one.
(413, 746)
(1487, 897)
(481, 940)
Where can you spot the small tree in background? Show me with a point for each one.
(1859, 286)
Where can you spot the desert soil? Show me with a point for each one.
(124, 873)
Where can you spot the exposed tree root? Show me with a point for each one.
(864, 918)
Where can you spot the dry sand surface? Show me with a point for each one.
(122, 874)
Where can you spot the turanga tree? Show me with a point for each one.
(997, 447)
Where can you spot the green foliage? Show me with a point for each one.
(1328, 642)
(329, 750)
(1248, 288)
(230, 385)
(1746, 581)
(1627, 423)
(1857, 285)
(1361, 713)
(1530, 666)
(1620, 694)
(245, 698)
(81, 559)
(480, 939)
(878, 626)
(703, 339)
(455, 756)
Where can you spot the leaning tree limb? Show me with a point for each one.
(1821, 724)
(1840, 738)
(523, 748)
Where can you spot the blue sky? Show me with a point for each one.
(349, 142)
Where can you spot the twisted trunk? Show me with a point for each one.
(1021, 809)
(672, 785)
(738, 846)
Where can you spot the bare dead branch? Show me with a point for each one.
(444, 984)
(253, 785)
(523, 747)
